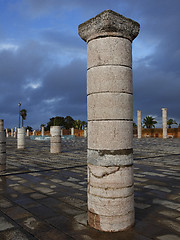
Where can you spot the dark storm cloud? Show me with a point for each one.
(62, 87)
(64, 40)
(157, 77)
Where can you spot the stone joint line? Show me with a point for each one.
(110, 92)
(113, 197)
(97, 120)
(113, 215)
(108, 35)
(104, 65)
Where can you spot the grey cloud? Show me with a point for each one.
(156, 76)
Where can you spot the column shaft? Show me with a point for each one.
(139, 124)
(72, 131)
(12, 132)
(55, 140)
(2, 147)
(110, 120)
(27, 133)
(21, 138)
(42, 131)
(164, 122)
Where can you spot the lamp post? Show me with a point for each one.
(19, 104)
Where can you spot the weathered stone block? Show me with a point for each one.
(110, 158)
(110, 177)
(110, 106)
(109, 79)
(110, 135)
(100, 52)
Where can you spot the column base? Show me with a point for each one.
(111, 223)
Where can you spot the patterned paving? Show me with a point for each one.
(43, 195)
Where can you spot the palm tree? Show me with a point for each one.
(149, 122)
(23, 114)
(78, 124)
(84, 124)
(171, 122)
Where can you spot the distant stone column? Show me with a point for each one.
(72, 131)
(2, 147)
(12, 132)
(42, 131)
(109, 38)
(55, 140)
(21, 138)
(61, 132)
(15, 132)
(27, 133)
(85, 132)
(34, 132)
(139, 124)
(7, 134)
(164, 122)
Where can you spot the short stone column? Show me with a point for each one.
(27, 133)
(55, 140)
(21, 138)
(72, 131)
(2, 147)
(164, 122)
(85, 132)
(42, 131)
(34, 132)
(139, 124)
(12, 132)
(109, 38)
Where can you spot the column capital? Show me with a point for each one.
(108, 23)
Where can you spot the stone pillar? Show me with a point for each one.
(15, 132)
(12, 132)
(42, 131)
(61, 132)
(21, 138)
(2, 147)
(34, 132)
(72, 131)
(7, 134)
(85, 132)
(139, 124)
(164, 122)
(55, 141)
(27, 133)
(109, 38)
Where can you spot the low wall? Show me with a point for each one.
(158, 132)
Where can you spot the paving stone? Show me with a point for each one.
(4, 224)
(168, 237)
(16, 212)
(4, 203)
(171, 224)
(15, 235)
(52, 189)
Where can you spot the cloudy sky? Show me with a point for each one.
(43, 60)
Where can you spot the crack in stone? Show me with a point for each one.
(105, 173)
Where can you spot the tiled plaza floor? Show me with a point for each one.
(43, 195)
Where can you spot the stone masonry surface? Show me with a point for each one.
(44, 196)
(109, 38)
